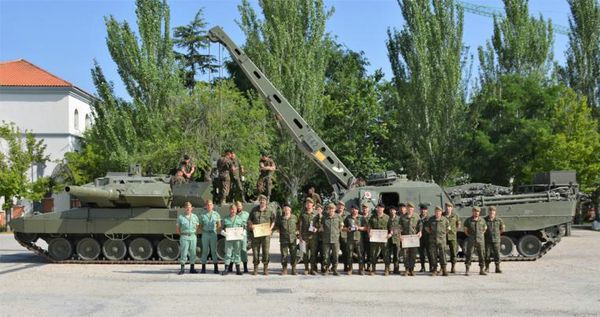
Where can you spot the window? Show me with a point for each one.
(76, 120)
(88, 121)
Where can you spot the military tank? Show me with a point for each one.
(123, 218)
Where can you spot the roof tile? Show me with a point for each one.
(21, 73)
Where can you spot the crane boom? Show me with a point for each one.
(307, 140)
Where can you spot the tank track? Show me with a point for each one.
(43, 253)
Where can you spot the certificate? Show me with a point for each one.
(379, 236)
(410, 241)
(261, 230)
(236, 233)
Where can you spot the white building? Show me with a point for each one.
(51, 108)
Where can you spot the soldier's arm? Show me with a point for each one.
(250, 225)
(458, 224)
(261, 166)
(502, 226)
(177, 229)
(272, 220)
(467, 233)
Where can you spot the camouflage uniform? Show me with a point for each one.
(287, 241)
(186, 168)
(394, 243)
(257, 217)
(378, 223)
(237, 189)
(176, 180)
(438, 235)
(475, 230)
(410, 225)
(330, 228)
(354, 241)
(310, 238)
(454, 222)
(424, 244)
(265, 182)
(492, 241)
(224, 170)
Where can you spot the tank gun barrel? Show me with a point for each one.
(92, 193)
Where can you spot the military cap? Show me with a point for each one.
(410, 205)
(393, 207)
(331, 205)
(353, 206)
(424, 206)
(186, 157)
(401, 205)
(449, 204)
(317, 206)
(380, 204)
(309, 200)
(476, 209)
(365, 204)
(341, 203)
(438, 208)
(261, 197)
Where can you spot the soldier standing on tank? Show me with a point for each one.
(308, 235)
(366, 213)
(224, 167)
(312, 194)
(244, 246)
(187, 228)
(394, 246)
(354, 225)
(267, 168)
(232, 247)
(475, 229)
(411, 225)
(261, 214)
(237, 171)
(341, 211)
(424, 241)
(454, 221)
(187, 168)
(210, 224)
(437, 227)
(330, 227)
(379, 221)
(287, 224)
(495, 228)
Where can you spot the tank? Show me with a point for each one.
(123, 218)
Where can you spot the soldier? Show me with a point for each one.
(454, 221)
(312, 194)
(495, 227)
(187, 228)
(287, 224)
(267, 168)
(341, 211)
(330, 227)
(424, 241)
(237, 170)
(354, 225)
(232, 247)
(411, 225)
(177, 178)
(187, 168)
(437, 227)
(308, 236)
(403, 210)
(394, 246)
(224, 167)
(210, 224)
(366, 213)
(319, 253)
(475, 228)
(244, 247)
(378, 221)
(261, 214)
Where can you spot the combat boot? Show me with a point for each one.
(313, 270)
(386, 271)
(350, 270)
(407, 272)
(231, 267)
(487, 267)
(192, 269)
(225, 272)
(216, 270)
(255, 272)
(412, 271)
(306, 270)
(334, 270)
(422, 268)
(434, 273)
(245, 267)
(203, 271)
(498, 270)
(237, 270)
(181, 270)
(467, 270)
(396, 269)
(453, 269)
(284, 270)
(372, 270)
(266, 269)
(294, 270)
(444, 271)
(482, 271)
(361, 269)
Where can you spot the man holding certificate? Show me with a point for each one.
(378, 234)
(308, 237)
(261, 223)
(411, 226)
(233, 226)
(355, 224)
(394, 246)
(330, 227)
(287, 224)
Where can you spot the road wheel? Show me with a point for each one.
(60, 249)
(114, 250)
(140, 249)
(168, 250)
(529, 245)
(88, 249)
(506, 246)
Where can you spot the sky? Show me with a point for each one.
(65, 36)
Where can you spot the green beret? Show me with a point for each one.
(438, 208)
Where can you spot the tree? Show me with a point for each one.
(582, 72)
(428, 58)
(192, 38)
(290, 46)
(520, 45)
(22, 150)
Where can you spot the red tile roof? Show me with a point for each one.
(21, 73)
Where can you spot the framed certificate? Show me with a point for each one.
(410, 241)
(261, 230)
(379, 236)
(236, 233)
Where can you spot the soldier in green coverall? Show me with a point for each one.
(210, 224)
(232, 247)
(186, 228)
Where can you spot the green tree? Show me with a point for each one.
(427, 58)
(582, 72)
(520, 44)
(192, 39)
(22, 150)
(290, 46)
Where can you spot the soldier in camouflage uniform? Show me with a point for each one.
(308, 235)
(475, 228)
(237, 170)
(354, 225)
(261, 214)
(394, 246)
(265, 182)
(454, 221)
(366, 213)
(495, 228)
(187, 168)
(379, 221)
(411, 225)
(424, 242)
(437, 227)
(224, 167)
(287, 224)
(330, 227)
(317, 220)
(341, 211)
(312, 194)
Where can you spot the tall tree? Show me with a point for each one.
(583, 55)
(290, 45)
(428, 58)
(520, 44)
(193, 40)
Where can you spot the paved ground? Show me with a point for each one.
(566, 282)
